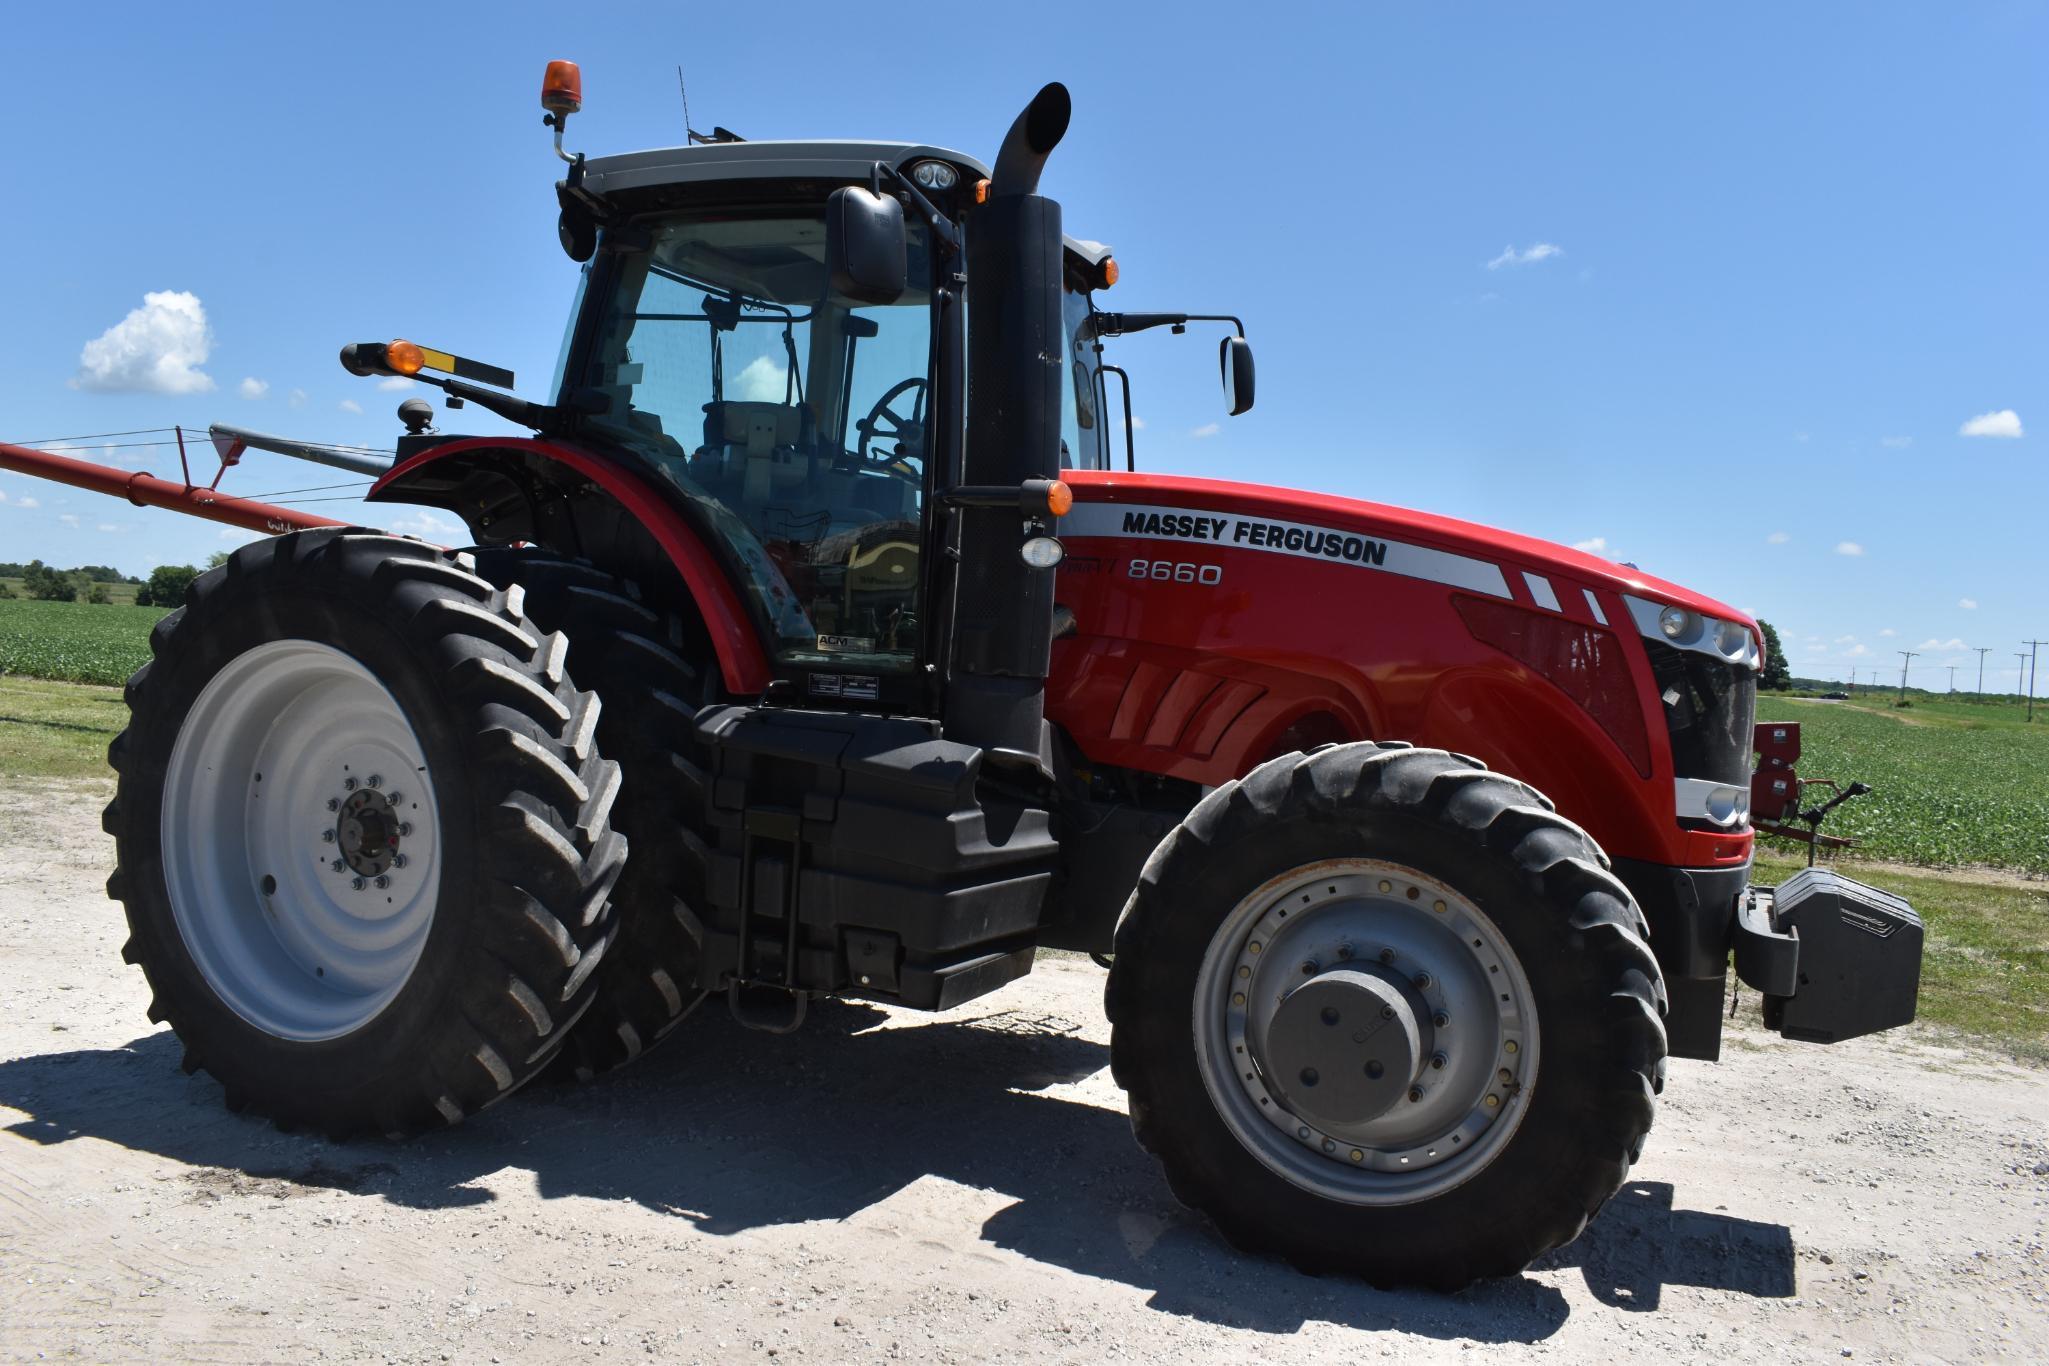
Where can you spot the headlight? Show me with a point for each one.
(1684, 629)
(934, 175)
(1042, 552)
(1676, 622)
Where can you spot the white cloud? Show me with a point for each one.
(1777, 538)
(297, 398)
(1968, 604)
(68, 518)
(1898, 443)
(763, 380)
(252, 388)
(1848, 548)
(349, 405)
(1593, 545)
(1888, 631)
(1846, 640)
(427, 525)
(1137, 424)
(396, 384)
(1855, 650)
(27, 501)
(2006, 422)
(1953, 643)
(156, 349)
(108, 527)
(1540, 251)
(1207, 429)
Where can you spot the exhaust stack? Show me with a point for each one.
(1003, 607)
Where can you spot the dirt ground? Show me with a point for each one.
(892, 1187)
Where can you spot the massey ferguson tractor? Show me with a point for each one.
(814, 644)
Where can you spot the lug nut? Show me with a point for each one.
(334, 803)
(404, 828)
(1505, 1075)
(1415, 1093)
(338, 865)
(1422, 981)
(1387, 955)
(1493, 1101)
(1512, 1047)
(1309, 968)
(394, 797)
(382, 882)
(356, 884)
(376, 780)
(1440, 1019)
(1344, 950)
(327, 837)
(348, 784)
(398, 860)
(1437, 1062)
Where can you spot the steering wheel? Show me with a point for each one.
(907, 432)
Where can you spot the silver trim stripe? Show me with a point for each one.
(1541, 590)
(1594, 606)
(1725, 640)
(1331, 545)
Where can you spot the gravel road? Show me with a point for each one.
(889, 1186)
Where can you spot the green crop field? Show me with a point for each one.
(1953, 782)
(74, 642)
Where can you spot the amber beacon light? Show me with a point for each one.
(562, 88)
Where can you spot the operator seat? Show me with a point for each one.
(756, 444)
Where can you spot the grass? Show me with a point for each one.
(1985, 963)
(74, 642)
(1954, 783)
(57, 730)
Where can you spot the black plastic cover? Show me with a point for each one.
(1859, 960)
(905, 872)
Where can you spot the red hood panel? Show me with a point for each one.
(1511, 549)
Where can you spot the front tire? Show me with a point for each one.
(1382, 1012)
(362, 834)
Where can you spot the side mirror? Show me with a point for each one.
(1234, 358)
(865, 245)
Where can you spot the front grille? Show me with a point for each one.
(1710, 707)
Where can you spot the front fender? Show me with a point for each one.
(477, 478)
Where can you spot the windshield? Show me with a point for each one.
(1082, 443)
(793, 416)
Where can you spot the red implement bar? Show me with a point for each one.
(146, 490)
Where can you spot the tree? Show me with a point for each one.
(168, 582)
(217, 559)
(6, 590)
(46, 584)
(142, 597)
(1776, 674)
(97, 594)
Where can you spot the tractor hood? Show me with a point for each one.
(1463, 553)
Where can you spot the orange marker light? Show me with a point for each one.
(982, 192)
(404, 357)
(562, 88)
(1109, 271)
(1059, 498)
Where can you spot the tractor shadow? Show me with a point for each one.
(734, 1130)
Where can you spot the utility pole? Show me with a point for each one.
(2020, 672)
(1982, 650)
(1906, 662)
(2033, 646)
(1952, 677)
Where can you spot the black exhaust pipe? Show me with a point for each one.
(1036, 133)
(1003, 608)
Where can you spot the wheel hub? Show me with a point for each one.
(1346, 1046)
(368, 832)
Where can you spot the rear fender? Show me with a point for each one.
(509, 489)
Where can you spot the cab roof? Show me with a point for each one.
(833, 159)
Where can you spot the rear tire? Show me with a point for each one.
(1454, 925)
(653, 671)
(319, 995)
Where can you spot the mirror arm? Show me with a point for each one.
(942, 227)
(1120, 324)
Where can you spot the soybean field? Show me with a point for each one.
(74, 642)
(1948, 789)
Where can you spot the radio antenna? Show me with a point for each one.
(691, 135)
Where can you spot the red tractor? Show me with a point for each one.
(813, 645)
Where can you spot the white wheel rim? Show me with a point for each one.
(1350, 911)
(298, 947)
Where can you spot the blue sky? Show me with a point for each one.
(1714, 289)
